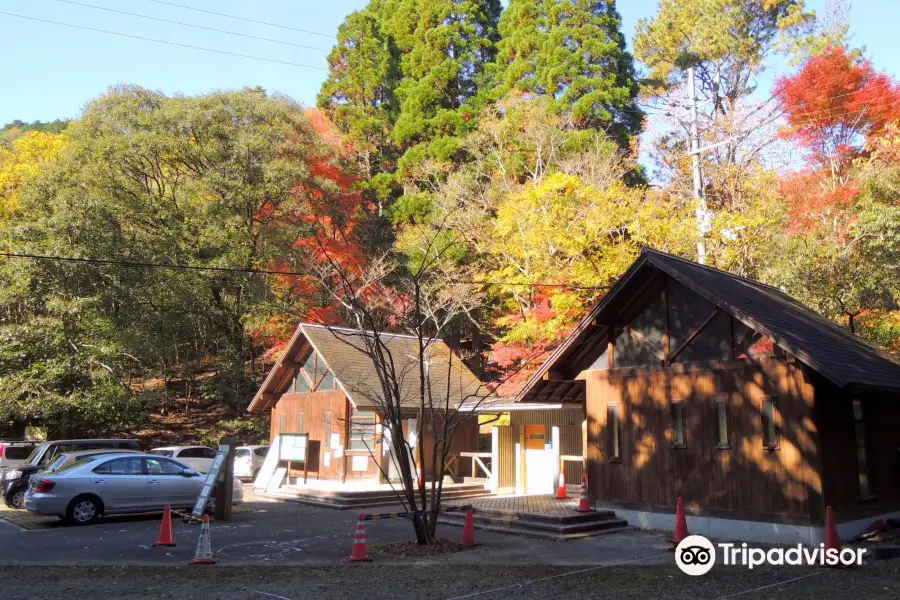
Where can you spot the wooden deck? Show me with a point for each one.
(545, 505)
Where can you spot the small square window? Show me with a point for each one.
(614, 440)
(722, 423)
(770, 432)
(678, 438)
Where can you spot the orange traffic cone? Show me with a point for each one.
(165, 529)
(561, 488)
(584, 503)
(681, 530)
(468, 536)
(203, 555)
(832, 539)
(360, 553)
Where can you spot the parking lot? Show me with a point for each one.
(292, 551)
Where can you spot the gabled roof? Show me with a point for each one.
(343, 351)
(829, 349)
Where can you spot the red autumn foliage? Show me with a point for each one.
(834, 105)
(834, 102)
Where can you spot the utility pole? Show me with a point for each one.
(702, 208)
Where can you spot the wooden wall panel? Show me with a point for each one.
(743, 478)
(841, 475)
(314, 407)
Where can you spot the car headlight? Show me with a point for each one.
(12, 474)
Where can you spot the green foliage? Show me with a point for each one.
(207, 181)
(574, 53)
(16, 129)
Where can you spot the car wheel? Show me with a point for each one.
(83, 510)
(16, 498)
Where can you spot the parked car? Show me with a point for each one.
(15, 480)
(66, 459)
(14, 453)
(248, 460)
(199, 458)
(118, 483)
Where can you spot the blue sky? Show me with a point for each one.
(50, 71)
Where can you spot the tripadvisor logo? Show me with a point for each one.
(696, 555)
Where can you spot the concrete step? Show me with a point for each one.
(557, 528)
(359, 500)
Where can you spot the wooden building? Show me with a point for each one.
(731, 394)
(324, 384)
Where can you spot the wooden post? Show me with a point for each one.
(557, 460)
(225, 483)
(520, 461)
(495, 459)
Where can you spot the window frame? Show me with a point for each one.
(360, 426)
(861, 421)
(676, 412)
(163, 460)
(140, 460)
(613, 432)
(770, 423)
(722, 408)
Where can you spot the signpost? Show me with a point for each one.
(209, 484)
(294, 447)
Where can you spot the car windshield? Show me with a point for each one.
(163, 452)
(35, 457)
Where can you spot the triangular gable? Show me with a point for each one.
(762, 309)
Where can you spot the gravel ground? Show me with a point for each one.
(425, 579)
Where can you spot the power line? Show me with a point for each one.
(146, 39)
(218, 14)
(178, 267)
(252, 37)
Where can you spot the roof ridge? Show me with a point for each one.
(350, 329)
(648, 250)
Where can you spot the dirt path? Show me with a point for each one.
(424, 580)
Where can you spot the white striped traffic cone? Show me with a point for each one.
(584, 503)
(360, 553)
(203, 555)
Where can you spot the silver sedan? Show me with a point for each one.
(117, 483)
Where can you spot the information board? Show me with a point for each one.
(294, 447)
(206, 492)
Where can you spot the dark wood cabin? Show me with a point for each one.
(700, 384)
(325, 385)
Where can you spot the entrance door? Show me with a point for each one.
(538, 461)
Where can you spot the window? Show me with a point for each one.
(642, 342)
(197, 453)
(687, 312)
(750, 344)
(678, 425)
(602, 361)
(242, 453)
(613, 432)
(300, 383)
(713, 342)
(862, 455)
(15, 452)
(770, 434)
(121, 466)
(163, 466)
(362, 430)
(722, 423)
(300, 424)
(163, 452)
(280, 423)
(261, 451)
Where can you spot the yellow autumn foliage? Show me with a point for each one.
(22, 161)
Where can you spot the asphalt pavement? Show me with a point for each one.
(289, 533)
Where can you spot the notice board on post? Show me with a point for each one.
(210, 483)
(298, 448)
